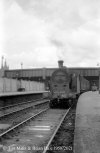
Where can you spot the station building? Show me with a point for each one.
(44, 74)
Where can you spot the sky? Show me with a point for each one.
(38, 33)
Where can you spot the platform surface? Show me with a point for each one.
(21, 93)
(87, 124)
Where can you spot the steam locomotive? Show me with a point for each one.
(65, 87)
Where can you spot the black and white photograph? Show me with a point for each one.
(50, 76)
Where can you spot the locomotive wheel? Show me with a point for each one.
(51, 105)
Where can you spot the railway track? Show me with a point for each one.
(19, 104)
(11, 119)
(47, 147)
(33, 134)
(8, 110)
(63, 140)
(23, 122)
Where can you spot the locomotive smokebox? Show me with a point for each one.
(60, 63)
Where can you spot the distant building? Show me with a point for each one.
(4, 67)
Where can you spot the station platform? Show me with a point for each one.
(20, 93)
(12, 98)
(87, 123)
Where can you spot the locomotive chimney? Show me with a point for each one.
(60, 63)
